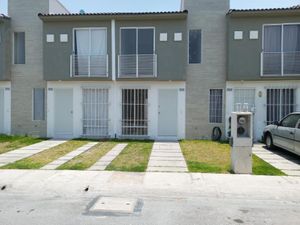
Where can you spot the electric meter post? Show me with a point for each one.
(241, 142)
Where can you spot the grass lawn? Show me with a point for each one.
(134, 158)
(214, 157)
(9, 143)
(41, 159)
(89, 158)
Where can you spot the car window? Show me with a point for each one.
(299, 124)
(291, 121)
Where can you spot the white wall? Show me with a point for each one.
(55, 6)
(260, 116)
(6, 86)
(115, 100)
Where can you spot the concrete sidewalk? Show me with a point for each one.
(68, 197)
(74, 182)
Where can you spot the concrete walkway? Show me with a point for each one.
(108, 158)
(166, 157)
(287, 164)
(28, 151)
(62, 160)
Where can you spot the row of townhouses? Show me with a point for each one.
(161, 75)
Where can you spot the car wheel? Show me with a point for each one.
(269, 141)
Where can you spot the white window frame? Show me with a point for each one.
(222, 107)
(137, 35)
(90, 47)
(90, 42)
(282, 55)
(137, 43)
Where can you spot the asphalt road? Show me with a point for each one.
(45, 198)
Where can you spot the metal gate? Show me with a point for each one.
(280, 102)
(134, 112)
(95, 112)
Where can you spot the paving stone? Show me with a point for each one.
(166, 157)
(167, 169)
(108, 158)
(292, 172)
(167, 163)
(62, 160)
(25, 152)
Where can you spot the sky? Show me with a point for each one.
(154, 5)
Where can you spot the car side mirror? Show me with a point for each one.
(276, 123)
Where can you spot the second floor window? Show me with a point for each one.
(19, 48)
(281, 49)
(137, 53)
(138, 41)
(90, 52)
(195, 39)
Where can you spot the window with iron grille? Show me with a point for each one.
(280, 102)
(95, 112)
(134, 112)
(215, 105)
(244, 99)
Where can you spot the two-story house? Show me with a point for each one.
(157, 75)
(115, 74)
(263, 64)
(5, 77)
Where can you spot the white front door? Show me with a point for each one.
(63, 113)
(1, 110)
(167, 113)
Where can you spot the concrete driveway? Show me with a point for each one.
(287, 162)
(69, 197)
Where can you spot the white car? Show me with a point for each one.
(284, 134)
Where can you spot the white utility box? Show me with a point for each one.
(241, 142)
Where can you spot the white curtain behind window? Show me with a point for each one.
(98, 42)
(82, 48)
(98, 52)
(291, 38)
(272, 39)
(82, 42)
(291, 48)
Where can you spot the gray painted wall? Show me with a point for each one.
(244, 56)
(5, 50)
(57, 54)
(28, 76)
(210, 17)
(172, 56)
